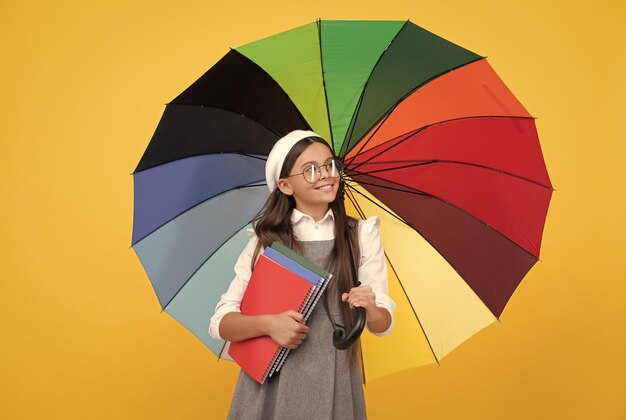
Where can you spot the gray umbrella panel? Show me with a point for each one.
(174, 252)
(194, 305)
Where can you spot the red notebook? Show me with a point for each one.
(272, 289)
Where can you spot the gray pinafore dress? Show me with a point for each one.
(315, 381)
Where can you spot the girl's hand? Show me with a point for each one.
(361, 296)
(287, 329)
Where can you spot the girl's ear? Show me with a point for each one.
(285, 187)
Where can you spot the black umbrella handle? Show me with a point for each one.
(342, 342)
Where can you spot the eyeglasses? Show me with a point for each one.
(312, 172)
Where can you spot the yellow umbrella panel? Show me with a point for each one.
(435, 308)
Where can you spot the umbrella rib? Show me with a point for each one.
(252, 185)
(253, 156)
(194, 206)
(280, 89)
(443, 256)
(364, 143)
(419, 192)
(410, 92)
(203, 154)
(398, 277)
(350, 187)
(221, 351)
(344, 147)
(417, 318)
(410, 134)
(330, 127)
(432, 161)
(277, 134)
(200, 266)
(234, 112)
(362, 215)
(408, 191)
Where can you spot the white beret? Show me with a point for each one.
(279, 152)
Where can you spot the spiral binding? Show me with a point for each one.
(283, 357)
(275, 358)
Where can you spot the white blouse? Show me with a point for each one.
(372, 269)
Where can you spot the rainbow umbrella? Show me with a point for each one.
(432, 141)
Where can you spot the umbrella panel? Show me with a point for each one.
(492, 168)
(159, 197)
(446, 308)
(415, 57)
(174, 252)
(472, 90)
(194, 304)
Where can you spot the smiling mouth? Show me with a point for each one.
(328, 187)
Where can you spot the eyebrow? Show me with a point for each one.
(312, 161)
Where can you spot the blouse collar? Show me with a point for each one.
(297, 215)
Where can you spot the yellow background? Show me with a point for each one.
(83, 86)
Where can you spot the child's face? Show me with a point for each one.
(311, 197)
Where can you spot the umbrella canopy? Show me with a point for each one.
(432, 141)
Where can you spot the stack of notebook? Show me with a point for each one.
(281, 280)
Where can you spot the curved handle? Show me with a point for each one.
(342, 342)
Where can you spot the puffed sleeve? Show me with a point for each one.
(231, 300)
(373, 269)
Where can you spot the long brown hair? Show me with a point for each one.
(273, 223)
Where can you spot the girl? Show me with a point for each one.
(305, 210)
